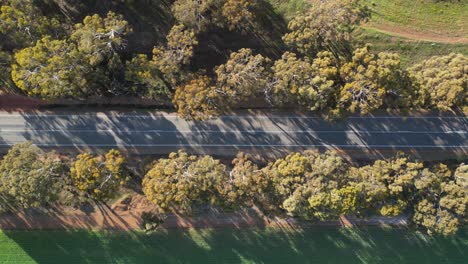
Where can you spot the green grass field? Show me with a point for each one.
(288, 8)
(439, 18)
(442, 17)
(324, 245)
(411, 52)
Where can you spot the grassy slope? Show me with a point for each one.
(440, 17)
(411, 52)
(325, 245)
(288, 8)
(433, 17)
(422, 15)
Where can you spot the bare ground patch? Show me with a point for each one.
(126, 215)
(414, 35)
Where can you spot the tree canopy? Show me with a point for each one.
(97, 176)
(442, 81)
(328, 25)
(183, 181)
(51, 69)
(29, 177)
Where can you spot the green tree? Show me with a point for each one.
(328, 25)
(6, 83)
(312, 84)
(100, 38)
(198, 14)
(177, 52)
(387, 186)
(197, 99)
(145, 78)
(241, 77)
(29, 177)
(247, 185)
(442, 81)
(99, 177)
(182, 181)
(101, 41)
(461, 174)
(239, 14)
(22, 23)
(313, 185)
(367, 78)
(442, 202)
(51, 69)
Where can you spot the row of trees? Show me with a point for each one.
(323, 69)
(30, 177)
(315, 186)
(50, 58)
(308, 185)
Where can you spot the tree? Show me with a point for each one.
(198, 14)
(51, 69)
(99, 177)
(145, 78)
(313, 185)
(6, 83)
(442, 81)
(182, 181)
(442, 202)
(178, 52)
(22, 23)
(241, 77)
(100, 38)
(100, 41)
(197, 99)
(327, 26)
(312, 84)
(461, 174)
(247, 185)
(29, 177)
(387, 185)
(238, 14)
(367, 79)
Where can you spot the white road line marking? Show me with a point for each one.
(236, 145)
(149, 115)
(232, 131)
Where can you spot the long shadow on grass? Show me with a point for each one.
(315, 245)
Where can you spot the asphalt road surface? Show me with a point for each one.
(158, 133)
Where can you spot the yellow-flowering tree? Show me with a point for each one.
(309, 83)
(248, 185)
(196, 99)
(386, 186)
(367, 80)
(97, 176)
(442, 81)
(51, 69)
(313, 185)
(442, 203)
(22, 23)
(242, 77)
(144, 78)
(328, 25)
(177, 52)
(182, 181)
(29, 177)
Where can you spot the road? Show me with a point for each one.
(158, 133)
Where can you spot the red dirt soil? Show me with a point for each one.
(126, 215)
(12, 102)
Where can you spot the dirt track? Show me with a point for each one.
(413, 35)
